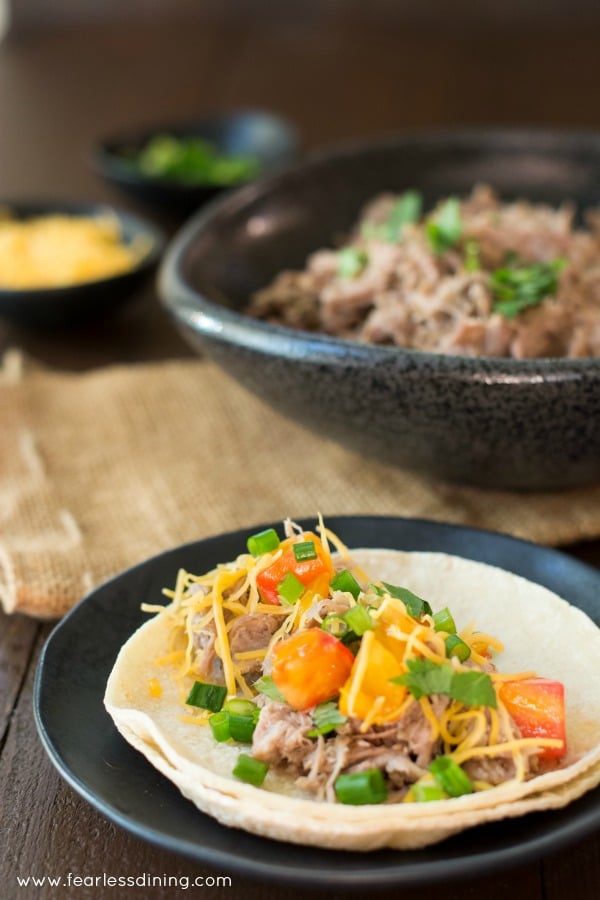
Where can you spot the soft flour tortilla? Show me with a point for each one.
(540, 632)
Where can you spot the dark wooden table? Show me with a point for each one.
(338, 75)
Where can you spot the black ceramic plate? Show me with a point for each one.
(87, 750)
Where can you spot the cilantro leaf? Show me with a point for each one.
(267, 686)
(405, 210)
(425, 678)
(445, 228)
(473, 689)
(518, 286)
(416, 607)
(351, 261)
(326, 718)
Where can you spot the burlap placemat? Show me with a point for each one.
(100, 470)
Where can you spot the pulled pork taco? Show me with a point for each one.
(362, 699)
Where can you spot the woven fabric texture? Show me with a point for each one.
(99, 471)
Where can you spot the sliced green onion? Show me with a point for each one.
(219, 725)
(345, 581)
(425, 793)
(443, 621)
(359, 620)
(239, 707)
(265, 685)
(351, 262)
(237, 720)
(290, 588)
(326, 717)
(207, 696)
(415, 606)
(305, 550)
(242, 728)
(455, 646)
(472, 256)
(335, 625)
(450, 777)
(263, 542)
(358, 788)
(251, 770)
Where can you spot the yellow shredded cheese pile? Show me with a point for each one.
(60, 251)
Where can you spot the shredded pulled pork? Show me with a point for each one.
(410, 296)
(252, 631)
(402, 749)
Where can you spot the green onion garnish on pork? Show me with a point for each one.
(425, 793)
(359, 620)
(455, 646)
(207, 696)
(263, 542)
(450, 777)
(472, 256)
(219, 725)
(251, 770)
(359, 788)
(345, 581)
(304, 550)
(443, 621)
(290, 589)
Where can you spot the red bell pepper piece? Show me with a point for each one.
(537, 707)
(310, 667)
(306, 571)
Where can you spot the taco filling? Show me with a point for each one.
(355, 688)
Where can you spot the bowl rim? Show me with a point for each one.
(216, 321)
(44, 206)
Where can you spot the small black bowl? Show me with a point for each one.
(270, 139)
(493, 422)
(56, 307)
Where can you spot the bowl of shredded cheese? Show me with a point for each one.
(65, 262)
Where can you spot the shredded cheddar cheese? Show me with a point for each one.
(60, 250)
(154, 687)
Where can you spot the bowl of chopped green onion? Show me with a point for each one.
(431, 300)
(178, 167)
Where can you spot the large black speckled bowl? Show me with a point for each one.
(497, 423)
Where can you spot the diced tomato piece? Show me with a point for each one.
(306, 571)
(310, 667)
(537, 706)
